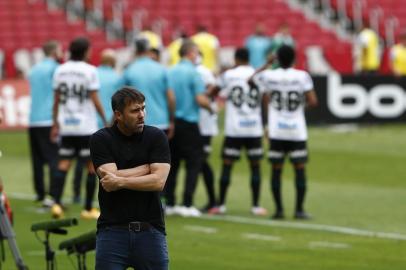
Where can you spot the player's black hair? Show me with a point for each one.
(78, 48)
(125, 96)
(201, 28)
(142, 46)
(286, 56)
(186, 47)
(242, 55)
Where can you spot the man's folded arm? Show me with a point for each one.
(154, 181)
(131, 172)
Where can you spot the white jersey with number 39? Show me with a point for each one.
(77, 114)
(287, 87)
(243, 103)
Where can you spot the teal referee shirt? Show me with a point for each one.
(42, 94)
(187, 83)
(151, 79)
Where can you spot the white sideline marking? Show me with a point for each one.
(328, 245)
(307, 226)
(264, 237)
(20, 196)
(203, 229)
(280, 224)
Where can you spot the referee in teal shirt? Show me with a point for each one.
(151, 79)
(43, 151)
(186, 144)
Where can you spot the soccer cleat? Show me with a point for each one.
(57, 211)
(278, 215)
(218, 210)
(90, 214)
(302, 215)
(193, 212)
(169, 210)
(259, 211)
(47, 202)
(206, 208)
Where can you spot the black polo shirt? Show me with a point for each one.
(109, 145)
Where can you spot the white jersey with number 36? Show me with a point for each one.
(287, 87)
(243, 103)
(77, 114)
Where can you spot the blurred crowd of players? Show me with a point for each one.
(71, 101)
(368, 53)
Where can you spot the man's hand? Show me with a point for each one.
(54, 133)
(110, 181)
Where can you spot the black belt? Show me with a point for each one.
(135, 226)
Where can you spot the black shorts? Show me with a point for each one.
(296, 150)
(232, 148)
(206, 145)
(74, 146)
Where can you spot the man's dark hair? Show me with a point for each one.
(242, 55)
(50, 47)
(186, 47)
(156, 52)
(286, 56)
(141, 46)
(78, 48)
(125, 96)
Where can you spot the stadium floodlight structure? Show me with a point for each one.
(7, 232)
(79, 246)
(53, 226)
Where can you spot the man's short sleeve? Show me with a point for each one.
(56, 80)
(100, 149)
(160, 152)
(198, 84)
(307, 82)
(171, 80)
(94, 82)
(259, 81)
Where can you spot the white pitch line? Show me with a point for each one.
(263, 237)
(203, 229)
(307, 226)
(281, 224)
(328, 245)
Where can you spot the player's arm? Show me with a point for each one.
(270, 60)
(311, 99)
(204, 102)
(200, 95)
(264, 110)
(55, 111)
(99, 108)
(153, 181)
(170, 96)
(104, 169)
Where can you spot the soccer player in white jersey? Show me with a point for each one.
(208, 128)
(243, 128)
(76, 85)
(288, 91)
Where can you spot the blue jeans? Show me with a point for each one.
(118, 249)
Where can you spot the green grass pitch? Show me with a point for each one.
(357, 195)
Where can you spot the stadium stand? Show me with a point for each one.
(232, 21)
(27, 24)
